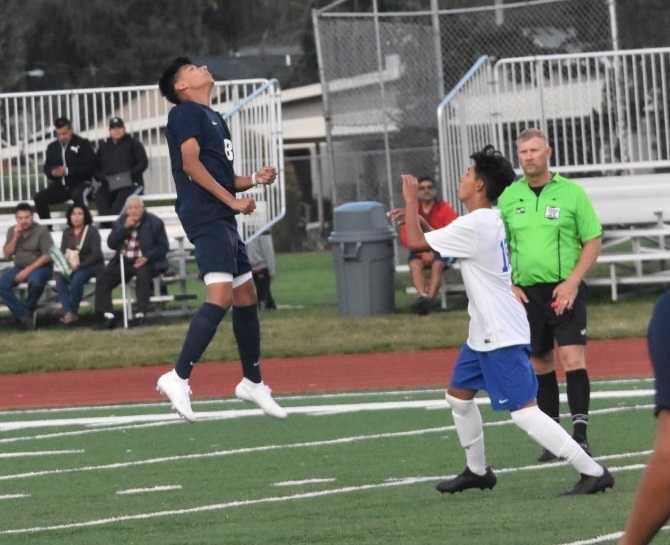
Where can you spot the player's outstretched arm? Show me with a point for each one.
(264, 176)
(652, 503)
(190, 156)
(415, 239)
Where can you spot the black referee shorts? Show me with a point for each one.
(546, 327)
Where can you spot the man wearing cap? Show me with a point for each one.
(70, 163)
(121, 160)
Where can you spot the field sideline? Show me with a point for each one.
(348, 467)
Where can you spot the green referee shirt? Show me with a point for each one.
(545, 234)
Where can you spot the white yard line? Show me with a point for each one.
(158, 488)
(314, 410)
(305, 481)
(40, 453)
(226, 401)
(259, 501)
(605, 538)
(14, 496)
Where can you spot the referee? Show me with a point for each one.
(554, 239)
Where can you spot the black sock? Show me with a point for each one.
(547, 395)
(579, 395)
(248, 335)
(200, 333)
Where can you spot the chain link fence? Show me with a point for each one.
(384, 73)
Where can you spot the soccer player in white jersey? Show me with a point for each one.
(495, 356)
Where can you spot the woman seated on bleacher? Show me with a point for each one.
(81, 247)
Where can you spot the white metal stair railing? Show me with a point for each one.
(465, 125)
(252, 108)
(603, 112)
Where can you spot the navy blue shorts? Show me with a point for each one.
(506, 374)
(219, 248)
(659, 350)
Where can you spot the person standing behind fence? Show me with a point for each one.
(70, 163)
(433, 214)
(121, 160)
(140, 239)
(554, 238)
(29, 244)
(81, 246)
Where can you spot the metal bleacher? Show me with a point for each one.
(252, 109)
(607, 116)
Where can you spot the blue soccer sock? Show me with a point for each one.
(248, 335)
(201, 331)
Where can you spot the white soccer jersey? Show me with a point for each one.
(497, 318)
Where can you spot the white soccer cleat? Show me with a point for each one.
(177, 390)
(261, 395)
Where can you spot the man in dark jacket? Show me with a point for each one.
(121, 161)
(139, 238)
(70, 162)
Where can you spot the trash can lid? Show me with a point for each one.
(360, 221)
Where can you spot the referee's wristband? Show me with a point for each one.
(254, 183)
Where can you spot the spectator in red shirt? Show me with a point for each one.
(433, 214)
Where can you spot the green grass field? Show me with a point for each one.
(308, 324)
(371, 471)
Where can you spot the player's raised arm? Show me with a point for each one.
(415, 238)
(193, 167)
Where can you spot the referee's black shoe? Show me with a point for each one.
(591, 485)
(466, 480)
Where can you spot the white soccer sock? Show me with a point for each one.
(468, 421)
(551, 435)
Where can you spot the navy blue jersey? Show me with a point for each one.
(659, 350)
(195, 205)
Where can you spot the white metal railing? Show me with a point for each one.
(604, 112)
(251, 107)
(464, 125)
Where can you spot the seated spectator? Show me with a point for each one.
(433, 214)
(81, 247)
(70, 163)
(28, 243)
(261, 255)
(139, 238)
(121, 161)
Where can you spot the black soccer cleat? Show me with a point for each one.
(466, 480)
(591, 485)
(547, 456)
(585, 446)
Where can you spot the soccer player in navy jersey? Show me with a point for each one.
(201, 155)
(495, 356)
(652, 502)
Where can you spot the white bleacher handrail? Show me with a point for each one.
(454, 129)
(252, 107)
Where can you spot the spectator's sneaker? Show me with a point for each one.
(590, 485)
(422, 306)
(106, 323)
(466, 480)
(261, 395)
(177, 390)
(69, 318)
(139, 320)
(28, 322)
(547, 456)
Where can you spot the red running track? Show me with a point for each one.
(432, 368)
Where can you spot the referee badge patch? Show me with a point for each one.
(552, 213)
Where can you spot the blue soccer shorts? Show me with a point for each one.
(506, 374)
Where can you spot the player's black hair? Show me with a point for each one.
(426, 179)
(167, 80)
(88, 219)
(494, 170)
(23, 206)
(61, 122)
